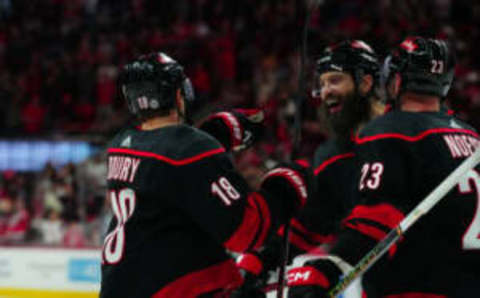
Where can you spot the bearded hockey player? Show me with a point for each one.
(402, 157)
(178, 202)
(346, 82)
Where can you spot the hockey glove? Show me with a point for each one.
(292, 183)
(315, 278)
(237, 129)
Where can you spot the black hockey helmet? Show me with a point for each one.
(149, 84)
(426, 66)
(353, 56)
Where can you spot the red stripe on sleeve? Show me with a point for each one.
(174, 162)
(365, 229)
(331, 160)
(265, 213)
(220, 276)
(371, 232)
(300, 243)
(255, 219)
(312, 236)
(384, 214)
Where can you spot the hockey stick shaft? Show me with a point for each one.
(299, 99)
(283, 266)
(394, 235)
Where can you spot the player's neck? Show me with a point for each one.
(419, 103)
(159, 122)
(377, 109)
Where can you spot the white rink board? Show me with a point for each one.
(50, 269)
(73, 270)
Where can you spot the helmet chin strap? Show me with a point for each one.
(393, 100)
(182, 114)
(398, 86)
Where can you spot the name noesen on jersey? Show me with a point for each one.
(122, 168)
(461, 145)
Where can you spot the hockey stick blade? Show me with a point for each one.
(392, 237)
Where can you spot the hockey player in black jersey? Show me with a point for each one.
(346, 83)
(178, 202)
(402, 157)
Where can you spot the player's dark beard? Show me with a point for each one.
(355, 110)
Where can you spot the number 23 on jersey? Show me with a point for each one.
(371, 175)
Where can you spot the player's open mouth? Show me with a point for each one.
(333, 106)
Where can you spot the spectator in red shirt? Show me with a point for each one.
(18, 222)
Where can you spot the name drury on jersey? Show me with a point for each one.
(461, 145)
(122, 168)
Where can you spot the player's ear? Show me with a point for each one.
(366, 84)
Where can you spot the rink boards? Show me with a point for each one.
(49, 272)
(19, 293)
(67, 273)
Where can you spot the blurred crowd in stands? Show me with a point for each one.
(64, 206)
(59, 62)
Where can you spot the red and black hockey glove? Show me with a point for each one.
(313, 279)
(237, 129)
(292, 183)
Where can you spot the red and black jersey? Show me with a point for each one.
(317, 223)
(402, 157)
(178, 204)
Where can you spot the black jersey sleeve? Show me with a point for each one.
(218, 199)
(317, 223)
